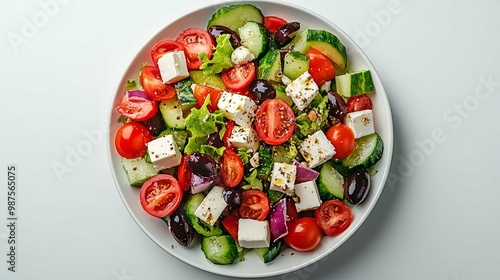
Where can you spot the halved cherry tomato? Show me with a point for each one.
(184, 174)
(230, 224)
(201, 92)
(153, 85)
(160, 195)
(196, 41)
(274, 121)
(320, 67)
(359, 103)
(137, 109)
(342, 138)
(333, 217)
(254, 205)
(227, 134)
(238, 77)
(273, 23)
(131, 139)
(232, 168)
(304, 234)
(162, 47)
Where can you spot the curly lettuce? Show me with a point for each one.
(221, 58)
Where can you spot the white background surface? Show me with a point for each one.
(437, 218)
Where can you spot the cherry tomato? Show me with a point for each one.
(359, 103)
(137, 109)
(160, 195)
(232, 168)
(274, 121)
(195, 41)
(201, 92)
(238, 77)
(230, 224)
(163, 47)
(184, 174)
(320, 67)
(227, 134)
(131, 139)
(342, 138)
(153, 85)
(333, 217)
(273, 23)
(254, 205)
(304, 234)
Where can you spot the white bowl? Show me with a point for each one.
(252, 266)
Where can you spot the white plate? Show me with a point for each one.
(253, 266)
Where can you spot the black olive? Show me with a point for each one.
(217, 30)
(285, 34)
(357, 186)
(336, 105)
(180, 229)
(262, 90)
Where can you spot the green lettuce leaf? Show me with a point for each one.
(200, 122)
(253, 182)
(221, 58)
(212, 151)
(242, 153)
(194, 144)
(313, 120)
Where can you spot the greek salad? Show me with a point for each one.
(251, 133)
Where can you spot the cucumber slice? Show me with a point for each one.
(352, 84)
(185, 94)
(220, 249)
(331, 182)
(201, 227)
(270, 66)
(138, 171)
(171, 111)
(235, 16)
(281, 94)
(367, 151)
(295, 64)
(200, 78)
(274, 196)
(267, 255)
(323, 41)
(254, 37)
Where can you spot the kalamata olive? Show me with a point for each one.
(262, 90)
(285, 34)
(336, 105)
(214, 140)
(201, 164)
(180, 229)
(155, 124)
(233, 198)
(217, 30)
(357, 186)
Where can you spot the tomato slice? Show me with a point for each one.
(184, 174)
(274, 121)
(238, 77)
(201, 92)
(342, 138)
(333, 217)
(160, 195)
(232, 168)
(273, 23)
(304, 234)
(196, 41)
(359, 103)
(162, 47)
(320, 67)
(254, 205)
(230, 224)
(153, 85)
(227, 134)
(131, 139)
(137, 109)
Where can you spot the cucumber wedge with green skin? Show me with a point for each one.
(254, 37)
(138, 171)
(353, 84)
(330, 182)
(367, 151)
(213, 80)
(295, 64)
(199, 226)
(268, 255)
(235, 16)
(220, 249)
(270, 66)
(171, 111)
(325, 42)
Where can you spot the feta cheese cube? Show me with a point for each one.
(236, 107)
(361, 123)
(302, 90)
(212, 206)
(253, 233)
(308, 196)
(316, 149)
(244, 136)
(283, 178)
(173, 67)
(241, 55)
(164, 153)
